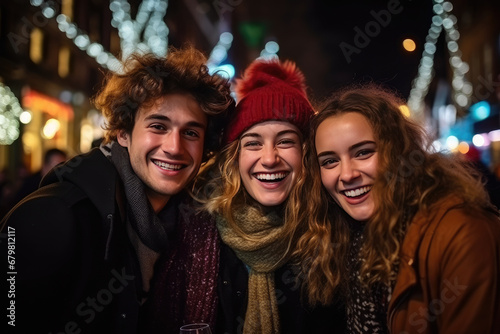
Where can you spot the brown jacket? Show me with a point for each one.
(449, 275)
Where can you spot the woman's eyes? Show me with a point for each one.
(283, 143)
(365, 153)
(328, 162)
(251, 144)
(360, 155)
(286, 142)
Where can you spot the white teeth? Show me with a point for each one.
(270, 177)
(357, 192)
(164, 165)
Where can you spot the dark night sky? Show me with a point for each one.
(363, 48)
(312, 32)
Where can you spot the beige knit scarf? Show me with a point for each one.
(263, 254)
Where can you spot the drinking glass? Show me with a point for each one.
(195, 329)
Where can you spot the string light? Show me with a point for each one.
(270, 50)
(461, 87)
(148, 24)
(147, 33)
(219, 54)
(10, 111)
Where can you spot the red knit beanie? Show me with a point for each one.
(270, 90)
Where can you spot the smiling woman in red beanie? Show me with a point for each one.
(251, 192)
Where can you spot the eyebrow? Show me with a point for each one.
(281, 133)
(164, 118)
(362, 143)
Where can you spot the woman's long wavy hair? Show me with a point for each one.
(410, 178)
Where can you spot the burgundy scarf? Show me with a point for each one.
(184, 288)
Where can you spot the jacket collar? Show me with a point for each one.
(94, 174)
(407, 275)
(417, 240)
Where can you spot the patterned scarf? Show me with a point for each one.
(184, 290)
(263, 254)
(366, 308)
(181, 245)
(148, 231)
(150, 227)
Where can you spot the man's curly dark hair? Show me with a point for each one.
(146, 78)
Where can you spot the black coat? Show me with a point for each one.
(75, 268)
(295, 318)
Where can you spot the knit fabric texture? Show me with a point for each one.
(184, 288)
(270, 90)
(263, 253)
(182, 247)
(149, 226)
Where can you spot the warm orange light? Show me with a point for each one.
(55, 108)
(409, 45)
(67, 8)
(405, 110)
(50, 128)
(63, 65)
(36, 45)
(463, 147)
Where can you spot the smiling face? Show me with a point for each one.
(347, 155)
(270, 160)
(166, 145)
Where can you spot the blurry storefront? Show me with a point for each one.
(479, 130)
(487, 137)
(62, 52)
(49, 127)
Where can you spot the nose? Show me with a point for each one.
(348, 171)
(270, 156)
(172, 144)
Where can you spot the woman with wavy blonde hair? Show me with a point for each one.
(251, 191)
(406, 235)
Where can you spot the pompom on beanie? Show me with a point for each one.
(270, 90)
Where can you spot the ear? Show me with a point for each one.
(123, 138)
